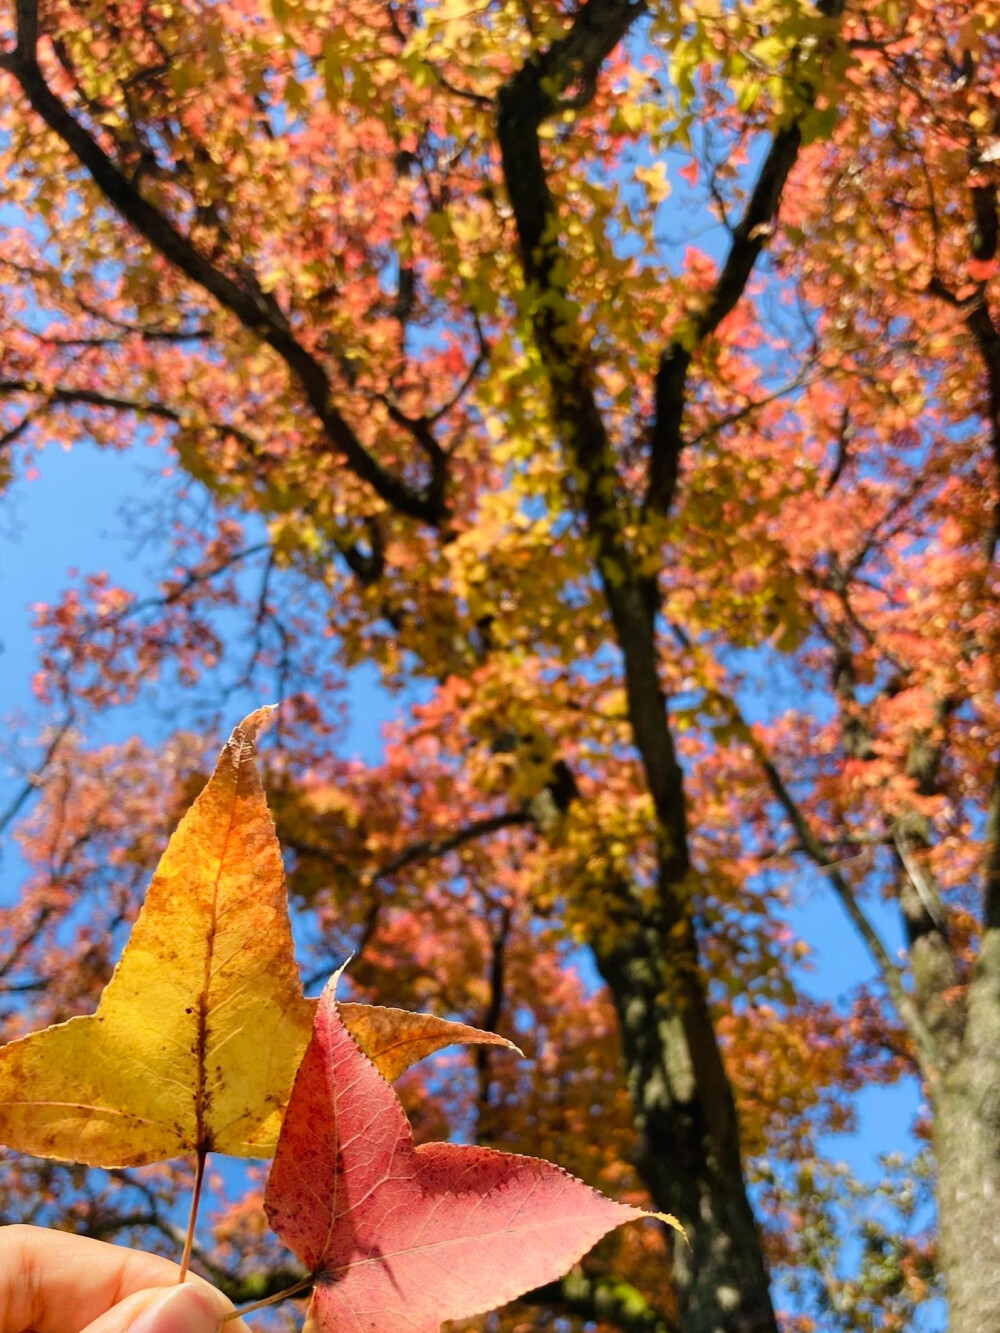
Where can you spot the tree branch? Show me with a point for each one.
(987, 340)
(809, 844)
(255, 310)
(984, 243)
(95, 398)
(432, 848)
(649, 959)
(750, 236)
(529, 97)
(34, 779)
(191, 580)
(11, 436)
(366, 566)
(755, 405)
(428, 849)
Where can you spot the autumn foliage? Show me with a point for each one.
(193, 1050)
(620, 384)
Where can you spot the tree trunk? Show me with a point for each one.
(685, 1114)
(967, 1142)
(686, 1118)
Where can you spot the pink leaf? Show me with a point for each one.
(399, 1237)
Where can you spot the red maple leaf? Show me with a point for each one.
(398, 1236)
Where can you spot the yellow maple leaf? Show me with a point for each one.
(200, 1030)
(395, 1039)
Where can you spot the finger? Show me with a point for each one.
(191, 1307)
(54, 1282)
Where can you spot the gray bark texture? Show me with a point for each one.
(967, 1142)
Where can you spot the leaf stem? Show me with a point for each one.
(293, 1290)
(199, 1176)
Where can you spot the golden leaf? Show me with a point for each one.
(200, 1030)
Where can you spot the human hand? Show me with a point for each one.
(55, 1282)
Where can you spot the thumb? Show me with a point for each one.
(190, 1307)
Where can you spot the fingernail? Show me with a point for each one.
(182, 1309)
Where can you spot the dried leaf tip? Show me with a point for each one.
(247, 731)
(671, 1221)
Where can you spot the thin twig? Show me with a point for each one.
(33, 781)
(891, 975)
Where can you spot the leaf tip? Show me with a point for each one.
(334, 981)
(247, 731)
(669, 1220)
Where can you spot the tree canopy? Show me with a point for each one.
(622, 381)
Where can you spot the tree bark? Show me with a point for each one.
(645, 944)
(967, 1142)
(689, 1151)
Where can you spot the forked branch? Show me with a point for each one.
(255, 310)
(750, 237)
(808, 843)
